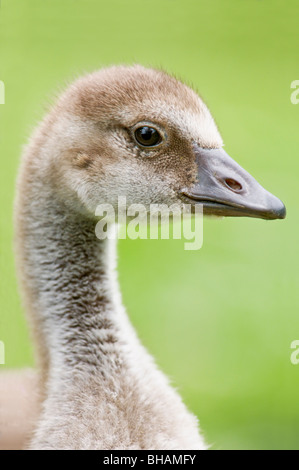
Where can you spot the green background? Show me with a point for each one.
(219, 321)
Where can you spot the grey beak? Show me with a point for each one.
(225, 189)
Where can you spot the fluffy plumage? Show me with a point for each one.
(99, 388)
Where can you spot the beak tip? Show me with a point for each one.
(279, 210)
(282, 211)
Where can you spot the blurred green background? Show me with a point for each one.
(219, 321)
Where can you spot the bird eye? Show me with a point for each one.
(148, 136)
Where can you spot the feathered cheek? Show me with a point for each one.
(82, 161)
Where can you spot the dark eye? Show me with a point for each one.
(148, 136)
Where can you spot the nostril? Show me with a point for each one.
(233, 184)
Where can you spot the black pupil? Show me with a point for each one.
(147, 136)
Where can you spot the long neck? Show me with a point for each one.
(69, 275)
(96, 376)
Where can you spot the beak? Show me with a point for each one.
(225, 189)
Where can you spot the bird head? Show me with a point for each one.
(143, 134)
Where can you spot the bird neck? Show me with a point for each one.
(98, 385)
(70, 279)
